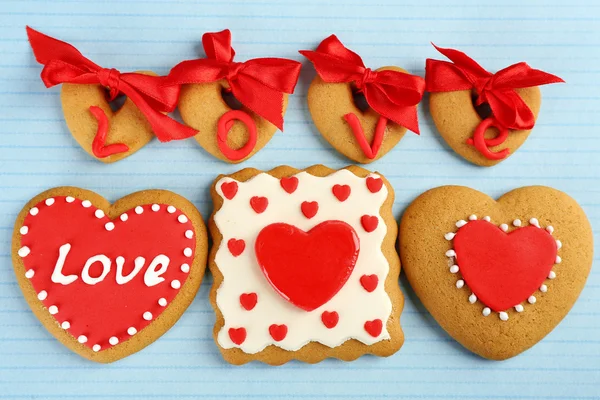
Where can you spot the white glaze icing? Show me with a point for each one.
(153, 277)
(85, 273)
(138, 264)
(24, 251)
(242, 274)
(57, 275)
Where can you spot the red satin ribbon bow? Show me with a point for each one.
(463, 73)
(63, 63)
(258, 84)
(392, 94)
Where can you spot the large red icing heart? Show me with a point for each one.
(307, 268)
(502, 269)
(88, 272)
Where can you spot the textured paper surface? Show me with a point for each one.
(37, 152)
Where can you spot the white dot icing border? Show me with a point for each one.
(175, 284)
(460, 283)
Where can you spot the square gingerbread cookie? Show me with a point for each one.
(304, 265)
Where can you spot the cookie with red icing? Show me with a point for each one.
(498, 276)
(236, 107)
(108, 279)
(484, 117)
(362, 113)
(304, 265)
(89, 93)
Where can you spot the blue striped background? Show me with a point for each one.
(37, 152)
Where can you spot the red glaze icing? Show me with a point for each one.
(278, 332)
(248, 300)
(259, 204)
(369, 282)
(502, 269)
(236, 246)
(483, 145)
(229, 189)
(289, 184)
(374, 327)
(309, 208)
(369, 222)
(374, 184)
(105, 309)
(330, 319)
(99, 147)
(224, 125)
(370, 150)
(341, 192)
(237, 335)
(307, 268)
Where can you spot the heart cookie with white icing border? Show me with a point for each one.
(498, 276)
(107, 280)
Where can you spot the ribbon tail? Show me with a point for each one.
(46, 48)
(464, 62)
(167, 129)
(164, 127)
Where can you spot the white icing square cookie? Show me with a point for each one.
(305, 265)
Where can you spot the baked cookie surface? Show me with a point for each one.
(498, 276)
(108, 279)
(304, 265)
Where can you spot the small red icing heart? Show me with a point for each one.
(307, 268)
(369, 222)
(259, 204)
(503, 269)
(289, 184)
(309, 208)
(341, 192)
(229, 189)
(248, 300)
(330, 319)
(236, 246)
(374, 184)
(278, 332)
(369, 282)
(237, 335)
(374, 327)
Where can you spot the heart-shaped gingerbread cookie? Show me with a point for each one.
(484, 117)
(456, 118)
(498, 276)
(362, 113)
(87, 112)
(236, 107)
(88, 88)
(365, 136)
(244, 133)
(107, 280)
